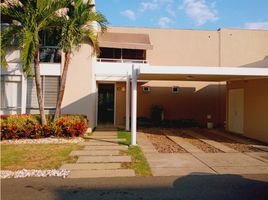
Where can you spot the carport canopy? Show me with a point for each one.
(186, 73)
(190, 73)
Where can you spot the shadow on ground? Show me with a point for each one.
(187, 187)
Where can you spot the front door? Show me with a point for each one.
(106, 104)
(236, 110)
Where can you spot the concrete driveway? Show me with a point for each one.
(227, 159)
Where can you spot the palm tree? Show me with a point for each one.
(77, 27)
(28, 19)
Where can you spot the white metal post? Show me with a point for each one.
(127, 102)
(134, 107)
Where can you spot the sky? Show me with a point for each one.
(186, 14)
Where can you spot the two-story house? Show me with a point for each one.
(218, 76)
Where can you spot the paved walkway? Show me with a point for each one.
(196, 162)
(100, 158)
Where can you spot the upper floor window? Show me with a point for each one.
(114, 54)
(49, 51)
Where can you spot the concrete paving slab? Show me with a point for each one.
(103, 159)
(94, 153)
(93, 143)
(184, 144)
(242, 170)
(175, 160)
(228, 159)
(93, 166)
(108, 140)
(213, 143)
(106, 147)
(263, 156)
(181, 171)
(102, 137)
(105, 133)
(101, 173)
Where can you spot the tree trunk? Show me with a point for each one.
(62, 84)
(39, 87)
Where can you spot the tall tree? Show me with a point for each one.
(27, 19)
(78, 25)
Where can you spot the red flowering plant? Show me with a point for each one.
(28, 126)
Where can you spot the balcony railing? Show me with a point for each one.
(50, 55)
(112, 60)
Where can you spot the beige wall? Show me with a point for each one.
(194, 101)
(255, 107)
(80, 93)
(226, 47)
(244, 47)
(173, 47)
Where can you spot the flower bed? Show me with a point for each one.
(28, 126)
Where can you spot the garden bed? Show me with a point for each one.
(207, 148)
(28, 126)
(161, 143)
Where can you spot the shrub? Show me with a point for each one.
(28, 126)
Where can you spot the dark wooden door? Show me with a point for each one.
(106, 104)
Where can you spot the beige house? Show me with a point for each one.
(205, 76)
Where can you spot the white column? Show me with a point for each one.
(23, 93)
(127, 102)
(134, 107)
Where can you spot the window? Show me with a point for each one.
(115, 53)
(50, 39)
(10, 94)
(50, 88)
(146, 89)
(49, 51)
(175, 89)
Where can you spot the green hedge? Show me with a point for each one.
(28, 126)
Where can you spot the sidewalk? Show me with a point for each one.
(100, 158)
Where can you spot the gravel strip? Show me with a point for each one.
(241, 147)
(44, 141)
(207, 148)
(34, 173)
(161, 143)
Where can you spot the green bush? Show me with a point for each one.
(28, 126)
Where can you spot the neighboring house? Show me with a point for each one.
(193, 74)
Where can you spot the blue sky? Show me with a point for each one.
(186, 14)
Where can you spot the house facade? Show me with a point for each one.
(205, 76)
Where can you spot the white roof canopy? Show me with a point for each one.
(196, 73)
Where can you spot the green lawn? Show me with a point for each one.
(36, 156)
(139, 163)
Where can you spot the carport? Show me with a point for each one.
(182, 73)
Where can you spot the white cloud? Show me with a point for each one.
(199, 11)
(164, 22)
(170, 10)
(129, 14)
(149, 5)
(256, 25)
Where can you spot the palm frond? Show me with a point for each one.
(8, 37)
(30, 45)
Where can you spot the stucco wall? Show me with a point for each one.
(80, 92)
(255, 107)
(244, 47)
(173, 47)
(194, 101)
